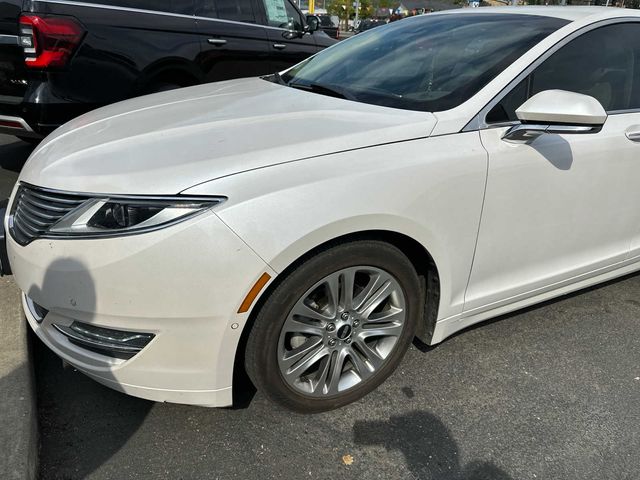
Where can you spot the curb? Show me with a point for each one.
(18, 410)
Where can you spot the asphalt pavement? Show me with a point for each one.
(552, 392)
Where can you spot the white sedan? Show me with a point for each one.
(411, 181)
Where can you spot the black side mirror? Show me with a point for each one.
(313, 23)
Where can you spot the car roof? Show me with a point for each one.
(570, 13)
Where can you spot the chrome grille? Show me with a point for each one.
(36, 210)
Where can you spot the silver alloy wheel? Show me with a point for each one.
(342, 330)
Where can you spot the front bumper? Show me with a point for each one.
(5, 268)
(183, 284)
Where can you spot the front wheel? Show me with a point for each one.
(336, 327)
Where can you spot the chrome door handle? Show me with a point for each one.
(279, 46)
(634, 136)
(218, 42)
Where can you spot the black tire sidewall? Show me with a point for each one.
(261, 359)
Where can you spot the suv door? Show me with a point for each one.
(288, 42)
(234, 44)
(563, 206)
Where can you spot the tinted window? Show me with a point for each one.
(429, 63)
(237, 10)
(282, 14)
(326, 21)
(603, 63)
(505, 111)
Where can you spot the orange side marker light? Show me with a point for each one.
(253, 293)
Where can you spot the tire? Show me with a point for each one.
(299, 321)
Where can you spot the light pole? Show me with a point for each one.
(356, 4)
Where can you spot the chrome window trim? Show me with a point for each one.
(622, 112)
(478, 122)
(159, 12)
(9, 40)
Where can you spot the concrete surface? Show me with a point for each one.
(549, 393)
(18, 415)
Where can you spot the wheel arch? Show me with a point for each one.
(416, 252)
(170, 70)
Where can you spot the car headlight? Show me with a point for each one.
(127, 215)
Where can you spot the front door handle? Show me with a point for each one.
(279, 46)
(218, 42)
(634, 135)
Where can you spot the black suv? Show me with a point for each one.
(59, 59)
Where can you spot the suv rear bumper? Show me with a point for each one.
(40, 111)
(17, 126)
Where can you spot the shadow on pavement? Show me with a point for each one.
(13, 155)
(83, 424)
(427, 445)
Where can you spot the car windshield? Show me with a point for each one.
(427, 63)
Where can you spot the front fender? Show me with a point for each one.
(429, 189)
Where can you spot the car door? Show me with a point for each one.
(562, 207)
(233, 43)
(288, 42)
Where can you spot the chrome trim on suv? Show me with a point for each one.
(24, 128)
(9, 40)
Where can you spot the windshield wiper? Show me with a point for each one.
(323, 90)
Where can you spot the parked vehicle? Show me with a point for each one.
(412, 181)
(328, 26)
(368, 24)
(59, 59)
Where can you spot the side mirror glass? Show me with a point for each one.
(557, 111)
(313, 23)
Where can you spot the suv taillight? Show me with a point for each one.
(49, 41)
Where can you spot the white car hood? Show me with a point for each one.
(168, 142)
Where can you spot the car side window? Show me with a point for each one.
(603, 63)
(282, 14)
(236, 10)
(505, 110)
